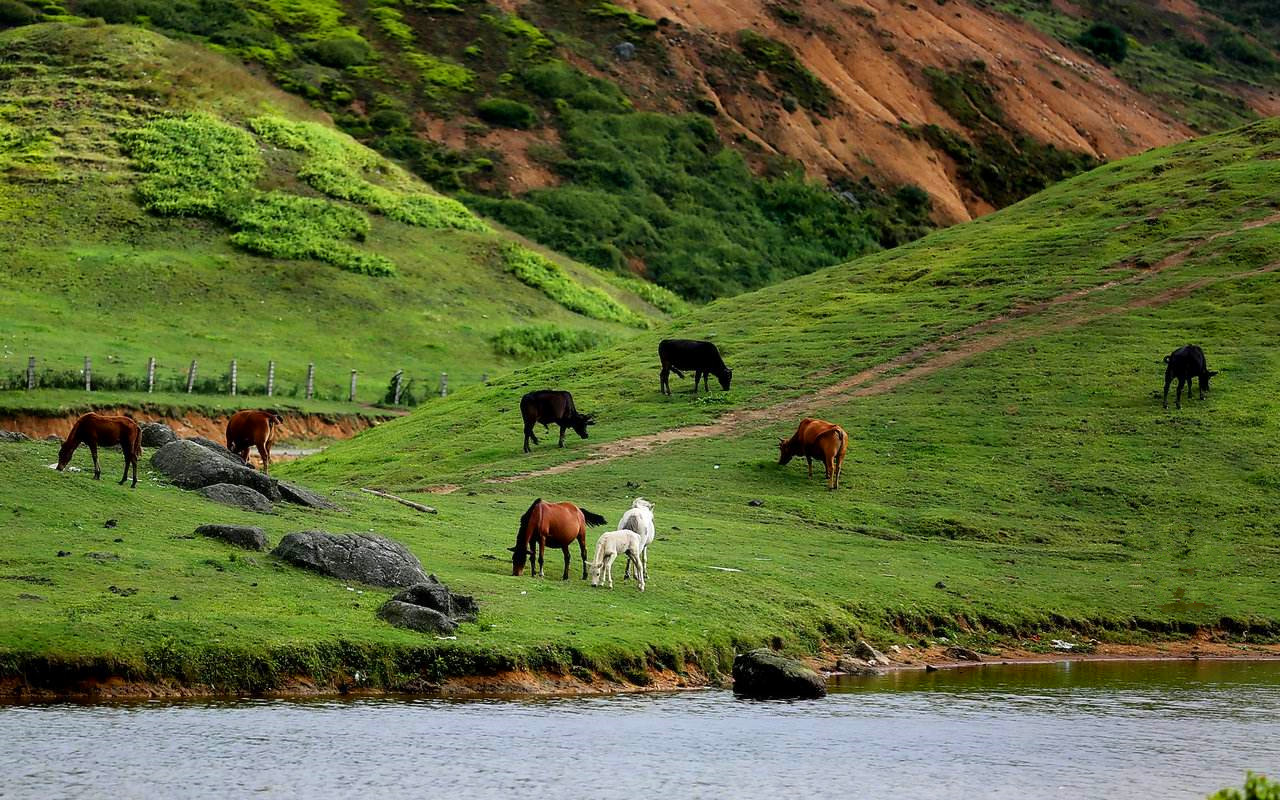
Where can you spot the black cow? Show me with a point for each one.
(1184, 364)
(686, 354)
(549, 406)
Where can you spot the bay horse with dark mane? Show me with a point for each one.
(99, 429)
(248, 429)
(557, 524)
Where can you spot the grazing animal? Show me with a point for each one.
(248, 429)
(557, 524)
(817, 438)
(686, 354)
(552, 407)
(99, 429)
(608, 548)
(639, 518)
(1184, 364)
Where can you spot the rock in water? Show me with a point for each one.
(189, 465)
(414, 617)
(292, 493)
(239, 496)
(353, 556)
(157, 434)
(763, 673)
(246, 536)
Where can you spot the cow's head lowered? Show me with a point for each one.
(787, 449)
(725, 376)
(579, 423)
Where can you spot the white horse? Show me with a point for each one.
(608, 548)
(639, 518)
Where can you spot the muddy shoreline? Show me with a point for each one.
(526, 684)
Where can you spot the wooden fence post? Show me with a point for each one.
(88, 374)
(31, 372)
(191, 376)
(233, 377)
(311, 380)
(271, 378)
(151, 374)
(351, 397)
(444, 384)
(395, 393)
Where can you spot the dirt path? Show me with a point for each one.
(928, 358)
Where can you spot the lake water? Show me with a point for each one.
(1065, 730)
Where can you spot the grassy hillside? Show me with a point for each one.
(1011, 474)
(172, 204)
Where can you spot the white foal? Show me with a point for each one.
(608, 548)
(639, 518)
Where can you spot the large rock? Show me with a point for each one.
(433, 594)
(230, 494)
(292, 493)
(246, 536)
(765, 674)
(213, 446)
(156, 434)
(190, 466)
(415, 617)
(353, 556)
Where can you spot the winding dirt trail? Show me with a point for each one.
(941, 353)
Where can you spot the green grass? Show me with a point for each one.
(96, 274)
(1033, 486)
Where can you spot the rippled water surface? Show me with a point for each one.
(1165, 730)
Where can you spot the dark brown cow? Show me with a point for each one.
(687, 354)
(98, 429)
(552, 407)
(816, 438)
(248, 429)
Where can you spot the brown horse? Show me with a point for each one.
(816, 438)
(556, 523)
(98, 429)
(248, 429)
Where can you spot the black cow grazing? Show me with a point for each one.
(1184, 364)
(686, 354)
(552, 407)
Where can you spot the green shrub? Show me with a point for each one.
(14, 13)
(390, 120)
(556, 80)
(543, 342)
(634, 21)
(1256, 787)
(341, 52)
(505, 112)
(548, 277)
(966, 97)
(194, 164)
(1106, 41)
(786, 71)
(438, 78)
(284, 225)
(1235, 47)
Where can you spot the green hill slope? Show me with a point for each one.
(162, 201)
(1011, 477)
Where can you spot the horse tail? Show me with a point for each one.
(676, 371)
(839, 459)
(592, 519)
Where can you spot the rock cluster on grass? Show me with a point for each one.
(429, 607)
(192, 466)
(14, 436)
(230, 494)
(246, 536)
(762, 673)
(292, 493)
(360, 557)
(156, 435)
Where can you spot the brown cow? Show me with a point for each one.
(99, 429)
(817, 438)
(248, 429)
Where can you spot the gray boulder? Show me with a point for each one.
(414, 617)
(14, 436)
(353, 556)
(433, 594)
(157, 434)
(188, 465)
(230, 494)
(246, 536)
(213, 446)
(856, 666)
(868, 653)
(763, 673)
(293, 493)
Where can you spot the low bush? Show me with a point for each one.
(507, 113)
(284, 225)
(787, 73)
(538, 271)
(543, 342)
(341, 52)
(1106, 41)
(194, 164)
(14, 13)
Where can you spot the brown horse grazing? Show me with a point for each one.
(556, 523)
(98, 429)
(817, 438)
(248, 429)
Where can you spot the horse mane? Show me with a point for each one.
(521, 541)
